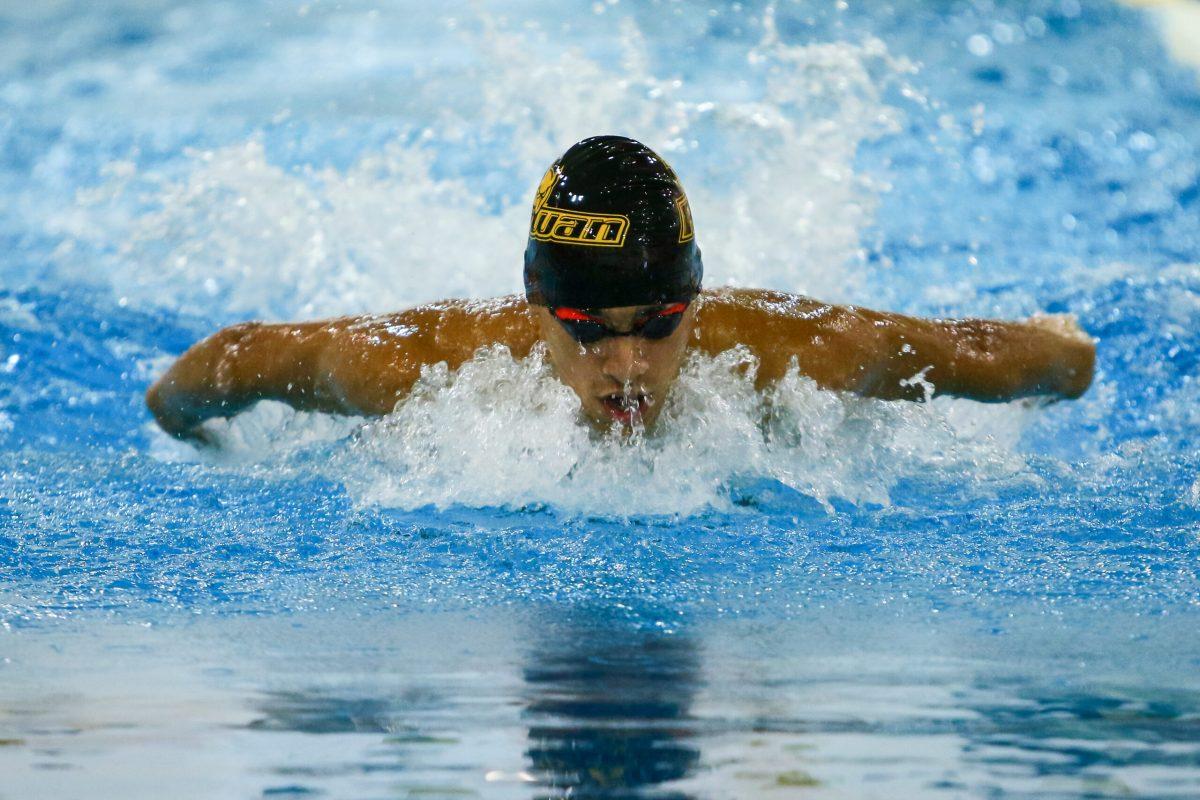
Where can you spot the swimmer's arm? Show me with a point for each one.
(240, 365)
(986, 360)
(357, 366)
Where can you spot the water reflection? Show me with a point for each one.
(553, 704)
(609, 710)
(313, 711)
(1103, 734)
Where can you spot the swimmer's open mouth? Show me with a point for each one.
(625, 407)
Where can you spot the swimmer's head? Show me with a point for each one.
(611, 270)
(611, 227)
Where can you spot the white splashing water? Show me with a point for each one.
(501, 432)
(785, 209)
(247, 237)
(716, 427)
(236, 234)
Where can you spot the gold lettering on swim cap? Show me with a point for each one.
(549, 181)
(593, 230)
(550, 224)
(686, 231)
(543, 225)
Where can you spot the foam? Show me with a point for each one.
(502, 432)
(232, 233)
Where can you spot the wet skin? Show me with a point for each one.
(365, 365)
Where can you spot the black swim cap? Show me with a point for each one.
(611, 227)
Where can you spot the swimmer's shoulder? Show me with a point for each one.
(446, 330)
(445, 317)
(370, 361)
(728, 316)
(779, 329)
(467, 324)
(762, 303)
(507, 308)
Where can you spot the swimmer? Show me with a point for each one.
(613, 293)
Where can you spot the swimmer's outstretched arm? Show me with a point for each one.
(989, 360)
(896, 357)
(353, 365)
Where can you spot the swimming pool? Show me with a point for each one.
(474, 597)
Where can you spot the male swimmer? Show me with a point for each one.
(612, 292)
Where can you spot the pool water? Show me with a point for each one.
(473, 596)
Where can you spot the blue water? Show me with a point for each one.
(954, 601)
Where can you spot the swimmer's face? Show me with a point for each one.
(620, 380)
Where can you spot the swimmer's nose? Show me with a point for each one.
(623, 359)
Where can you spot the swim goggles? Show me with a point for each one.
(587, 329)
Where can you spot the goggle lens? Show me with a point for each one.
(664, 323)
(586, 329)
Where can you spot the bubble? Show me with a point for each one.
(1140, 141)
(979, 45)
(1004, 33)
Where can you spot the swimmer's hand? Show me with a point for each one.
(1077, 353)
(206, 382)
(202, 438)
(178, 425)
(199, 436)
(1065, 325)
